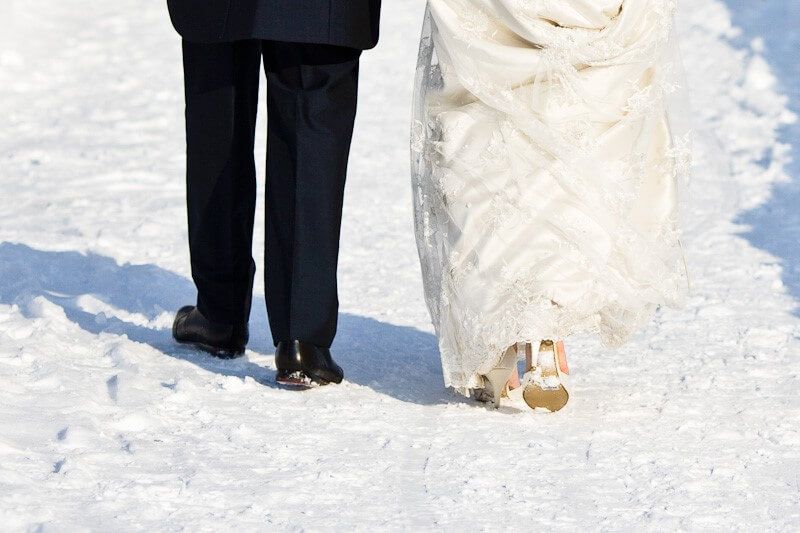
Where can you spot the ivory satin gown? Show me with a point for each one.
(548, 156)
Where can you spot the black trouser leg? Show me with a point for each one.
(221, 101)
(311, 100)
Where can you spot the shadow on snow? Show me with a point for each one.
(775, 225)
(401, 362)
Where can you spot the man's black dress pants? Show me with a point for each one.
(311, 106)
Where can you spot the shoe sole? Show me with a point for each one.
(550, 397)
(297, 380)
(219, 353)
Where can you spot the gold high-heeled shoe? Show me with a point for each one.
(495, 381)
(545, 379)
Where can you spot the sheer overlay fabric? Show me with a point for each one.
(548, 158)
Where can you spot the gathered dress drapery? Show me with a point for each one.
(549, 153)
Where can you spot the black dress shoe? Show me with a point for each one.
(299, 362)
(220, 340)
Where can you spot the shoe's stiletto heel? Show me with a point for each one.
(496, 380)
(545, 379)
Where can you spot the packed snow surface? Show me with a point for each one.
(107, 425)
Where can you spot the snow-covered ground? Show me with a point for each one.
(105, 424)
(775, 225)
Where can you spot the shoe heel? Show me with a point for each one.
(498, 377)
(545, 387)
(497, 380)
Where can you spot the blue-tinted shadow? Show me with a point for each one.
(401, 362)
(775, 226)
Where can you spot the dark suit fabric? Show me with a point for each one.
(350, 23)
(311, 105)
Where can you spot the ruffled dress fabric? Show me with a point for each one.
(549, 153)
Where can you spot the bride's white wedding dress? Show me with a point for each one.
(548, 163)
